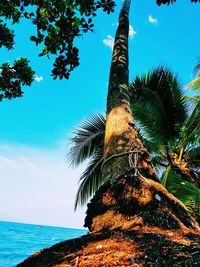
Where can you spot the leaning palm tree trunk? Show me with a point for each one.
(121, 138)
(132, 197)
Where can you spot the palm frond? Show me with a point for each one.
(190, 133)
(88, 139)
(157, 102)
(165, 176)
(159, 161)
(194, 84)
(150, 145)
(193, 99)
(90, 180)
(184, 191)
(192, 156)
(196, 70)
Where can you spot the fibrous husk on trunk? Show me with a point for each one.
(133, 202)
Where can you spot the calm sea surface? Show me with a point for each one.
(18, 241)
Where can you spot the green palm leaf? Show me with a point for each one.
(89, 138)
(148, 143)
(159, 160)
(192, 156)
(90, 180)
(193, 99)
(183, 190)
(190, 133)
(158, 104)
(194, 84)
(196, 70)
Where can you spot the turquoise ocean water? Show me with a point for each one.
(18, 241)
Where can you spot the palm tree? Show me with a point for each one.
(120, 133)
(132, 185)
(121, 138)
(160, 111)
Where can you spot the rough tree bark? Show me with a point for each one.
(121, 136)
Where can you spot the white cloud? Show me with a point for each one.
(109, 41)
(152, 20)
(38, 78)
(37, 186)
(132, 32)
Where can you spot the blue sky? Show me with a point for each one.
(35, 128)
